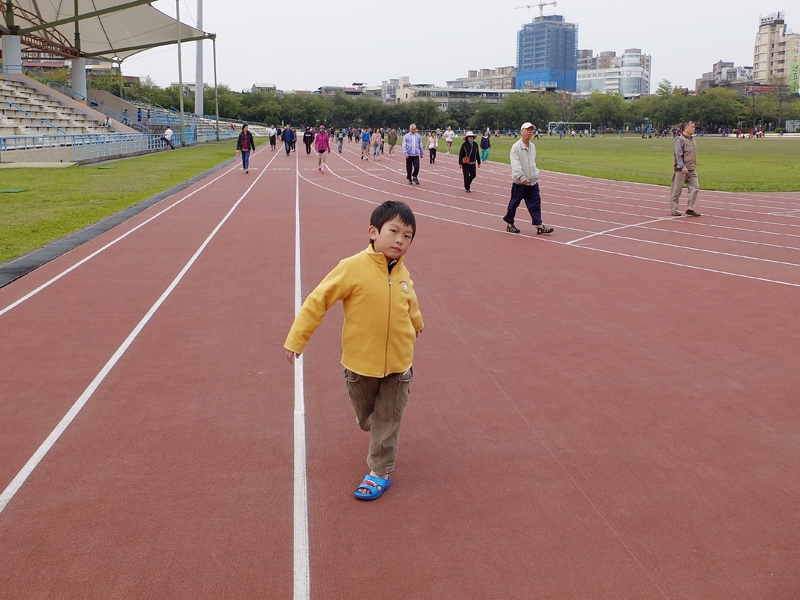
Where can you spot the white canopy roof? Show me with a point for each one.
(108, 28)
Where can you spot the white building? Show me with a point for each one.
(448, 96)
(627, 75)
(772, 50)
(501, 78)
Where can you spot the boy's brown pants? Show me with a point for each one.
(379, 403)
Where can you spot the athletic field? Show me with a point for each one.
(607, 412)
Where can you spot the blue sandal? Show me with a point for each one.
(371, 486)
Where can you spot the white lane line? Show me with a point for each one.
(302, 570)
(111, 243)
(42, 451)
(607, 231)
(553, 241)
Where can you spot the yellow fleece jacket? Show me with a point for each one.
(381, 314)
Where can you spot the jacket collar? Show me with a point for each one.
(380, 260)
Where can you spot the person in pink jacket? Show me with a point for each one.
(322, 146)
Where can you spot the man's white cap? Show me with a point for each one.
(526, 125)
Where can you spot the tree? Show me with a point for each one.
(565, 105)
(425, 114)
(462, 112)
(604, 110)
(486, 117)
(517, 108)
(664, 88)
(714, 108)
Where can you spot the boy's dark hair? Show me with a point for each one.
(391, 209)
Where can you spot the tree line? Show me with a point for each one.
(713, 109)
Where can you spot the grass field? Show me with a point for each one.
(60, 201)
(728, 164)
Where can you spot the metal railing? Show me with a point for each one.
(49, 124)
(93, 147)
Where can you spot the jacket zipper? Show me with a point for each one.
(388, 329)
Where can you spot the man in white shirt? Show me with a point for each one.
(167, 137)
(525, 184)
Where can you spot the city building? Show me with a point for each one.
(501, 78)
(263, 87)
(547, 54)
(447, 96)
(724, 74)
(627, 75)
(389, 90)
(773, 49)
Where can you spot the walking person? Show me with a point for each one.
(377, 143)
(340, 139)
(365, 135)
(525, 184)
(448, 137)
(486, 144)
(294, 138)
(377, 373)
(273, 138)
(684, 164)
(245, 144)
(470, 159)
(286, 137)
(433, 145)
(308, 139)
(412, 150)
(322, 146)
(391, 139)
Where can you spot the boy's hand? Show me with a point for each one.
(290, 356)
(420, 331)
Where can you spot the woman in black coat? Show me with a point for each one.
(469, 157)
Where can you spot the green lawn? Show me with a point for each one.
(60, 201)
(764, 165)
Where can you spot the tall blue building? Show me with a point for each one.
(547, 54)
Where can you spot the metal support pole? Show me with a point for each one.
(180, 71)
(199, 109)
(216, 91)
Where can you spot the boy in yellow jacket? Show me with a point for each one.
(381, 323)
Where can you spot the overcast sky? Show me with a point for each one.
(304, 44)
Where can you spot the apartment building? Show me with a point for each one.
(501, 78)
(774, 49)
(627, 75)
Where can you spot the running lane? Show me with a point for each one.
(175, 478)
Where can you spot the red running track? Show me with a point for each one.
(607, 412)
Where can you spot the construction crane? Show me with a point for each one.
(541, 6)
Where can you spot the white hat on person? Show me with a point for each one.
(468, 134)
(526, 125)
